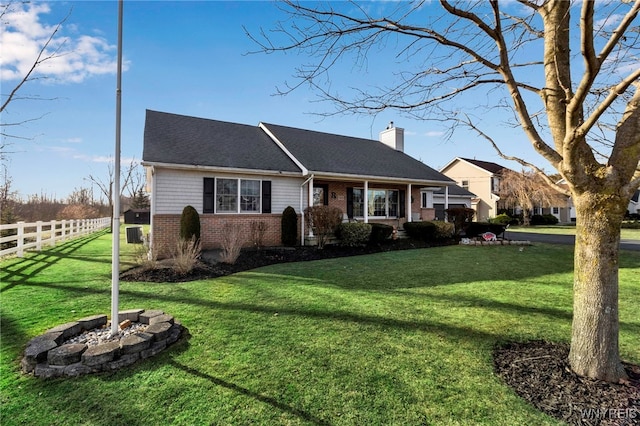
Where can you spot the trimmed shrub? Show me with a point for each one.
(380, 232)
(324, 220)
(502, 219)
(189, 224)
(289, 227)
(425, 231)
(444, 230)
(353, 234)
(545, 219)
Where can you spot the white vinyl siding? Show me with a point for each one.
(176, 189)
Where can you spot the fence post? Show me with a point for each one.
(52, 233)
(39, 235)
(20, 239)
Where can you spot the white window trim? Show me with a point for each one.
(238, 196)
(386, 203)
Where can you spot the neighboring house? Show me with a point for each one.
(634, 203)
(240, 174)
(482, 178)
(137, 216)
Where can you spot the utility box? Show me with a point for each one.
(134, 234)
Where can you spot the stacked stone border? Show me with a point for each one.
(494, 243)
(47, 355)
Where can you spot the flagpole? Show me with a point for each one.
(115, 193)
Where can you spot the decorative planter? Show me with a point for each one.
(55, 353)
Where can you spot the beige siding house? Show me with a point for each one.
(481, 178)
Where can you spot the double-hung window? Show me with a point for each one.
(380, 202)
(232, 195)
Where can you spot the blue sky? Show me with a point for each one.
(181, 57)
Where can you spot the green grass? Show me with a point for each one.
(394, 338)
(625, 234)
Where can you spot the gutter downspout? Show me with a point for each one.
(309, 179)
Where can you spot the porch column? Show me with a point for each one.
(446, 202)
(310, 201)
(408, 204)
(366, 202)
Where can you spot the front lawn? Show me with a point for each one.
(402, 337)
(625, 233)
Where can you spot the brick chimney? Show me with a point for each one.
(393, 136)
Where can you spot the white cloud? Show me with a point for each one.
(71, 59)
(434, 134)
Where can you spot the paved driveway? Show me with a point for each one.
(563, 239)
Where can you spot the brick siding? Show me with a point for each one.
(166, 230)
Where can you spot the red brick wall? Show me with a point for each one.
(166, 229)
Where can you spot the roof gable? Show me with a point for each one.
(179, 139)
(330, 153)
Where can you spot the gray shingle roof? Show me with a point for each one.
(182, 140)
(328, 153)
(179, 139)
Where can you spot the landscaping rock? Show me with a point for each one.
(135, 343)
(38, 347)
(60, 352)
(66, 354)
(159, 330)
(124, 324)
(131, 315)
(147, 315)
(161, 318)
(92, 322)
(100, 354)
(68, 330)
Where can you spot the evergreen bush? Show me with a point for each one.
(380, 232)
(189, 224)
(354, 234)
(425, 231)
(289, 227)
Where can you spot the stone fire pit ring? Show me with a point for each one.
(56, 353)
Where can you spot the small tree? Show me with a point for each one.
(289, 227)
(189, 224)
(460, 217)
(324, 220)
(527, 190)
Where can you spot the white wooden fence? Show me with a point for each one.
(38, 234)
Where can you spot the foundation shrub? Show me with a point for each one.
(380, 232)
(289, 227)
(444, 230)
(354, 234)
(425, 231)
(189, 223)
(324, 220)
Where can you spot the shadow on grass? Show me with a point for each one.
(244, 391)
(16, 273)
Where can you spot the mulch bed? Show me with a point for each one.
(537, 371)
(255, 258)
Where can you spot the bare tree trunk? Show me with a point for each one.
(594, 336)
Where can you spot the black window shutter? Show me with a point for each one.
(208, 195)
(350, 203)
(325, 191)
(266, 196)
(402, 200)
